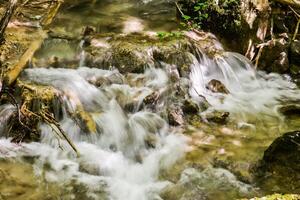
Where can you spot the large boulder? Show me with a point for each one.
(284, 153)
(274, 56)
(280, 165)
(137, 51)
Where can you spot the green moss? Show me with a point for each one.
(195, 120)
(130, 53)
(223, 17)
(169, 35)
(278, 197)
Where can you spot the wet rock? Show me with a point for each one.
(195, 121)
(190, 106)
(209, 183)
(242, 170)
(135, 52)
(290, 110)
(295, 52)
(18, 181)
(284, 153)
(88, 30)
(175, 116)
(279, 24)
(217, 117)
(274, 56)
(173, 73)
(151, 140)
(280, 165)
(217, 86)
(152, 98)
(203, 104)
(180, 192)
(295, 70)
(278, 197)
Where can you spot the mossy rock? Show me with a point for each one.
(280, 165)
(277, 197)
(135, 52)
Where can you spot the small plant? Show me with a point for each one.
(168, 35)
(223, 16)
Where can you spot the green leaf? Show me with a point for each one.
(196, 8)
(186, 17)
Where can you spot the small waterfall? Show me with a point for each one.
(125, 154)
(82, 54)
(250, 92)
(130, 143)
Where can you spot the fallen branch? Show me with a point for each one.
(178, 9)
(51, 121)
(296, 30)
(6, 18)
(13, 74)
(297, 15)
(260, 49)
(47, 20)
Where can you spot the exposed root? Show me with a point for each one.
(296, 29)
(50, 120)
(37, 105)
(297, 15)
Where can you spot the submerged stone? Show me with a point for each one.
(217, 117)
(217, 86)
(197, 184)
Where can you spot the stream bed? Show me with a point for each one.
(128, 148)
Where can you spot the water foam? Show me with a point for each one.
(251, 93)
(117, 158)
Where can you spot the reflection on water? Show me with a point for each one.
(109, 16)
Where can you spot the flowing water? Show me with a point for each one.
(131, 153)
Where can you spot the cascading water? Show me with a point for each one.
(127, 151)
(252, 94)
(122, 156)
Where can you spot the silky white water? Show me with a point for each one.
(252, 94)
(116, 158)
(122, 158)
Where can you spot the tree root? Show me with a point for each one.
(297, 15)
(49, 119)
